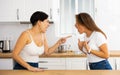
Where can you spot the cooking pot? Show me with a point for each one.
(5, 45)
(61, 48)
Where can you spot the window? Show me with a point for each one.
(107, 17)
(67, 16)
(68, 9)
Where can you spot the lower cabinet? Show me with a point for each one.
(118, 63)
(63, 63)
(112, 61)
(115, 62)
(76, 64)
(52, 63)
(6, 64)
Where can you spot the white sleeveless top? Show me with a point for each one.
(31, 51)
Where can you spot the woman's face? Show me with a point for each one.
(80, 28)
(44, 25)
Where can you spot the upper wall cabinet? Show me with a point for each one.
(36, 5)
(21, 10)
(10, 10)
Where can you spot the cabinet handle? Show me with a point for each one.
(17, 14)
(115, 64)
(43, 62)
(50, 14)
(87, 65)
(43, 67)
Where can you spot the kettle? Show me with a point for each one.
(5, 46)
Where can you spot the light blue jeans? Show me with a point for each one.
(102, 65)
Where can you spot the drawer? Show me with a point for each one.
(51, 67)
(52, 61)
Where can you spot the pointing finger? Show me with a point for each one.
(68, 36)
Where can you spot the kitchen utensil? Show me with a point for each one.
(61, 48)
(5, 45)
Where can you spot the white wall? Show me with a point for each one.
(13, 30)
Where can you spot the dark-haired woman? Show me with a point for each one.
(95, 44)
(33, 43)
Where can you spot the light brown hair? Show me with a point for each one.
(86, 20)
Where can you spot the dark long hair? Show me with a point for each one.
(86, 20)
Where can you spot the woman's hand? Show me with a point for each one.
(34, 69)
(87, 47)
(63, 40)
(80, 44)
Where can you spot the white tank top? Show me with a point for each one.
(31, 51)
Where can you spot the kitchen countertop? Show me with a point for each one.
(5, 55)
(61, 72)
(115, 53)
(68, 54)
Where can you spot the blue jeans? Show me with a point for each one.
(19, 67)
(102, 65)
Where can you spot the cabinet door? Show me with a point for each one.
(35, 5)
(76, 63)
(52, 63)
(112, 62)
(118, 63)
(6, 64)
(9, 10)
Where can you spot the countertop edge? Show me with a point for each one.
(62, 55)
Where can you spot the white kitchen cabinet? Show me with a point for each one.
(52, 63)
(112, 61)
(36, 5)
(79, 63)
(117, 63)
(21, 10)
(76, 64)
(6, 64)
(11, 10)
(63, 63)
